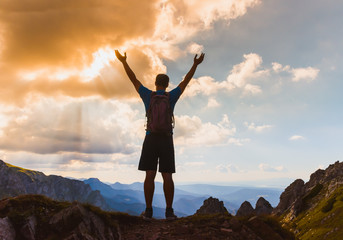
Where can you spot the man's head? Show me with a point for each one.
(162, 80)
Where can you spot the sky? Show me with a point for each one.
(264, 107)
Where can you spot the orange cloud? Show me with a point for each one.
(47, 46)
(57, 32)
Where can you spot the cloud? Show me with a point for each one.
(195, 48)
(296, 138)
(243, 75)
(248, 69)
(298, 74)
(110, 82)
(204, 85)
(229, 168)
(212, 103)
(308, 73)
(267, 168)
(67, 33)
(191, 131)
(194, 164)
(89, 126)
(277, 67)
(206, 12)
(260, 128)
(240, 77)
(252, 89)
(66, 48)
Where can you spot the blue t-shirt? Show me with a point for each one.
(145, 94)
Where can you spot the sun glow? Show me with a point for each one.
(101, 58)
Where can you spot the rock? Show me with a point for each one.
(81, 224)
(289, 196)
(263, 207)
(7, 231)
(212, 206)
(245, 210)
(235, 224)
(29, 228)
(263, 229)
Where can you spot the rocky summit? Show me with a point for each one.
(263, 207)
(245, 210)
(212, 206)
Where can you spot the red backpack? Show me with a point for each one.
(160, 118)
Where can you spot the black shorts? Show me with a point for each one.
(158, 149)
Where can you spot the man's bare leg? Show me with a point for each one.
(168, 188)
(149, 187)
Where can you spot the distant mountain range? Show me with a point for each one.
(127, 198)
(187, 199)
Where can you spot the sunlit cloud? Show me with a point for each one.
(204, 85)
(298, 74)
(308, 73)
(67, 48)
(191, 131)
(89, 126)
(248, 69)
(239, 78)
(195, 48)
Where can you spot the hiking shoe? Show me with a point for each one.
(170, 214)
(147, 214)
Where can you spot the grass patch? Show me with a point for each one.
(317, 224)
(329, 205)
(274, 223)
(314, 192)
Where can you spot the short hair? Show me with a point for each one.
(162, 80)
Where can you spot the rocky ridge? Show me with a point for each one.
(16, 181)
(295, 197)
(314, 210)
(37, 217)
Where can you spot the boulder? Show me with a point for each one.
(7, 231)
(80, 222)
(29, 228)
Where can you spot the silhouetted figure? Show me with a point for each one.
(158, 146)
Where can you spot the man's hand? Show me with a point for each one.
(120, 57)
(199, 60)
(136, 83)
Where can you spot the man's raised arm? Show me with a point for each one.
(122, 58)
(191, 72)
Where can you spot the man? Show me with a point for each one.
(158, 149)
